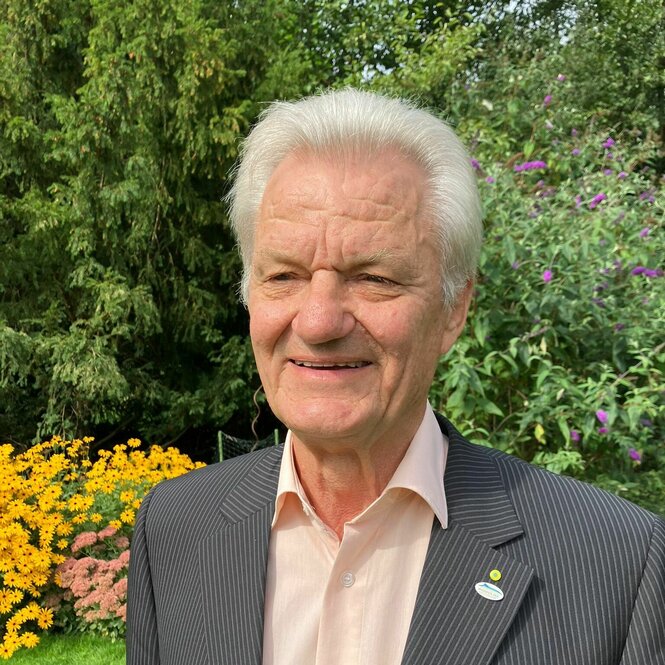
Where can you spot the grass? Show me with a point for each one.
(72, 650)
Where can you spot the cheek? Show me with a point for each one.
(267, 322)
(389, 325)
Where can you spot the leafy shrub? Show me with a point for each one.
(563, 363)
(65, 524)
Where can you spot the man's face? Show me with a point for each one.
(346, 318)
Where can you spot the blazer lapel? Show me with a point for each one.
(232, 563)
(451, 622)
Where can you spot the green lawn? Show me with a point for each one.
(72, 650)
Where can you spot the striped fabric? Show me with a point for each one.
(583, 573)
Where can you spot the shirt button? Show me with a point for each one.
(348, 579)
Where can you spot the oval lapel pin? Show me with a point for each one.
(489, 591)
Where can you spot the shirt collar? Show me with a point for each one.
(421, 470)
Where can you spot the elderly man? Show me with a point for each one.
(377, 534)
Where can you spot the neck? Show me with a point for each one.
(340, 484)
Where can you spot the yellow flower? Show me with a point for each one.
(127, 516)
(96, 518)
(29, 640)
(116, 524)
(6, 651)
(45, 618)
(64, 529)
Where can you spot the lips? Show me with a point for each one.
(352, 364)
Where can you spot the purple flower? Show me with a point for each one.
(645, 232)
(598, 301)
(648, 196)
(575, 152)
(515, 265)
(602, 416)
(578, 200)
(618, 327)
(608, 172)
(573, 132)
(547, 101)
(489, 179)
(635, 455)
(645, 422)
(647, 272)
(561, 78)
(603, 430)
(621, 175)
(530, 166)
(610, 155)
(575, 435)
(596, 200)
(609, 143)
(547, 276)
(475, 164)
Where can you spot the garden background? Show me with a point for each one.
(119, 126)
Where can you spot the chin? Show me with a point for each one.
(326, 421)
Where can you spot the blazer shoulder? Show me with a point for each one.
(213, 483)
(539, 492)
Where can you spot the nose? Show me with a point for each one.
(323, 314)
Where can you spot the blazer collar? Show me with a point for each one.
(451, 622)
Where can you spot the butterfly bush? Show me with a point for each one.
(65, 527)
(563, 361)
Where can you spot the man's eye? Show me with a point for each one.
(281, 277)
(377, 279)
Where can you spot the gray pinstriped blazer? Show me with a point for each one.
(583, 571)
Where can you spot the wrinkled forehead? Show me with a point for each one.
(357, 187)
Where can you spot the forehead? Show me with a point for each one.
(357, 187)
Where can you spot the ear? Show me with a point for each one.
(456, 318)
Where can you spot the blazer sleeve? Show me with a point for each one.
(142, 643)
(645, 643)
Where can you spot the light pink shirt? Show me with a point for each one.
(332, 602)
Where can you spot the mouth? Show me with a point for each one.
(354, 364)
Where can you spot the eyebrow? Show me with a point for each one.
(359, 260)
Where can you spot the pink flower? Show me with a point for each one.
(547, 101)
(635, 455)
(602, 416)
(596, 200)
(107, 532)
(603, 430)
(547, 276)
(85, 539)
(120, 587)
(575, 435)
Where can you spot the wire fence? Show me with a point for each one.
(230, 446)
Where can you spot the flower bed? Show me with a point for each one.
(65, 525)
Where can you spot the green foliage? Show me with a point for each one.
(120, 123)
(570, 302)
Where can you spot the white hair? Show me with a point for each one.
(351, 120)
